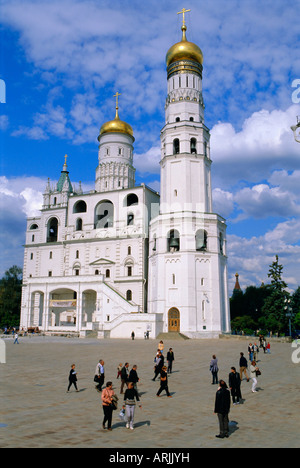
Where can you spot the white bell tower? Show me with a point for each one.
(188, 263)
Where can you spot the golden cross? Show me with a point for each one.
(183, 12)
(66, 157)
(117, 99)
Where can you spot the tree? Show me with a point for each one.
(10, 297)
(273, 313)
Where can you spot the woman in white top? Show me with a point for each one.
(253, 376)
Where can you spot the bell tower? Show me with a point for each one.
(188, 263)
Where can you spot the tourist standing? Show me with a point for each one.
(243, 367)
(250, 352)
(214, 369)
(100, 375)
(161, 346)
(72, 378)
(268, 348)
(159, 363)
(130, 397)
(170, 359)
(222, 409)
(124, 376)
(133, 377)
(164, 382)
(106, 397)
(235, 386)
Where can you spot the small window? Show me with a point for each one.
(107, 274)
(32, 238)
(77, 253)
(193, 145)
(129, 271)
(49, 274)
(176, 146)
(76, 272)
(129, 295)
(31, 256)
(201, 240)
(50, 255)
(177, 119)
(129, 250)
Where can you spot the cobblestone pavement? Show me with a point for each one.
(36, 411)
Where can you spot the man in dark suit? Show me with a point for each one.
(159, 363)
(222, 409)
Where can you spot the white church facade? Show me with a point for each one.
(121, 258)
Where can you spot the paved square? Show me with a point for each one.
(36, 411)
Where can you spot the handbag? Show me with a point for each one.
(114, 402)
(258, 373)
(96, 378)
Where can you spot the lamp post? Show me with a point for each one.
(296, 130)
(289, 313)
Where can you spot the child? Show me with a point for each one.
(119, 369)
(72, 378)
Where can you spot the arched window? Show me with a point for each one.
(33, 226)
(201, 240)
(52, 230)
(176, 146)
(173, 241)
(80, 207)
(107, 273)
(193, 146)
(104, 215)
(131, 200)
(79, 224)
(129, 295)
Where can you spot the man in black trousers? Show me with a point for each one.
(222, 409)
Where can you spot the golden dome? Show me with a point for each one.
(184, 50)
(116, 125)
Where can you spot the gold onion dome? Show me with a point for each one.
(184, 50)
(116, 126)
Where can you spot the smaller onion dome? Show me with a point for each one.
(116, 125)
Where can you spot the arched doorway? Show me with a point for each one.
(174, 320)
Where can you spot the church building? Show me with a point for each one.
(121, 258)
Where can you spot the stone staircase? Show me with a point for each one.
(171, 336)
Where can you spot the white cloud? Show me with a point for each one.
(264, 144)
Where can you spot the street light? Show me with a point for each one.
(296, 130)
(289, 313)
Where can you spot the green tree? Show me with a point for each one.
(10, 297)
(273, 313)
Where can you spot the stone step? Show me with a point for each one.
(171, 336)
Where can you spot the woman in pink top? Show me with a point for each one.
(106, 397)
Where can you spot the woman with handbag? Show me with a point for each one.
(107, 404)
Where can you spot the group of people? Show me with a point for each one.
(233, 389)
(130, 379)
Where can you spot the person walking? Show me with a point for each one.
(222, 409)
(214, 369)
(106, 397)
(253, 374)
(170, 360)
(124, 376)
(100, 375)
(159, 363)
(132, 336)
(243, 367)
(164, 382)
(130, 397)
(16, 339)
(72, 378)
(161, 346)
(235, 386)
(268, 348)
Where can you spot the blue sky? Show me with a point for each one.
(62, 62)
